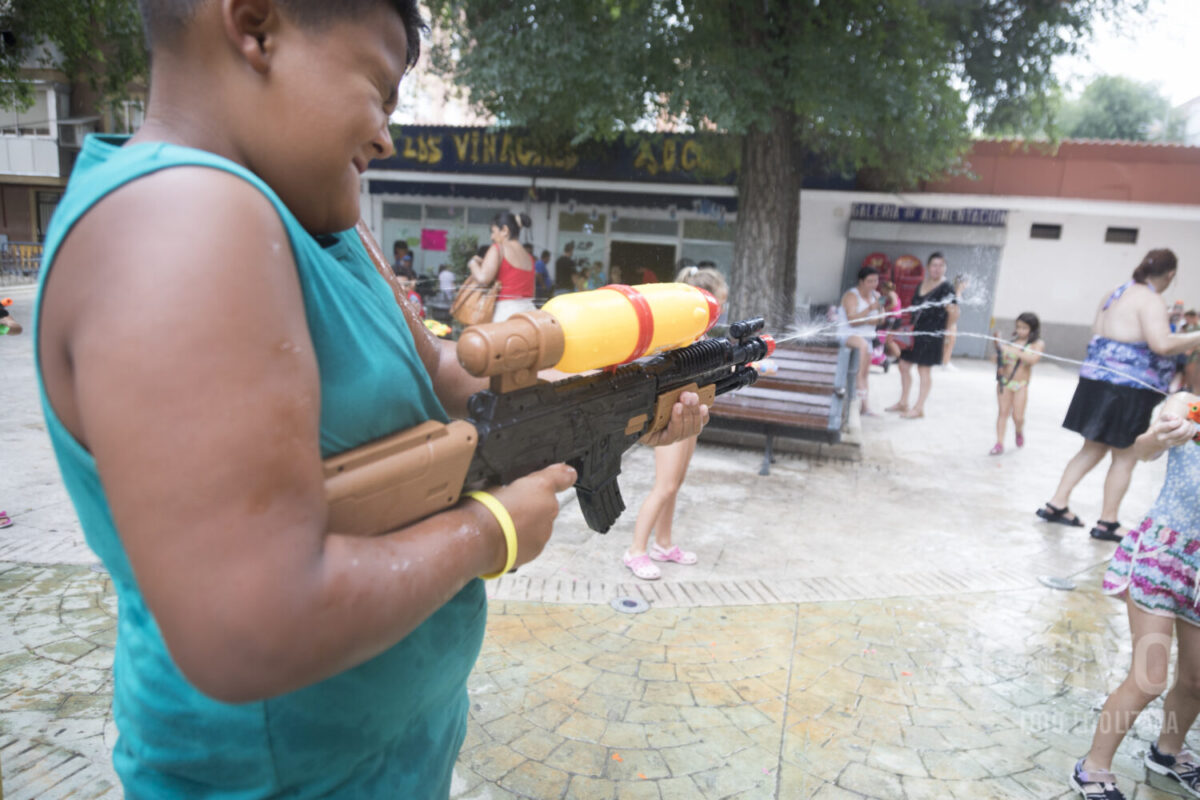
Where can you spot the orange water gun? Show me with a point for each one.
(1194, 416)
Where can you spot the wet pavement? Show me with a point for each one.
(853, 629)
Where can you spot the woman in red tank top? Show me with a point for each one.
(508, 264)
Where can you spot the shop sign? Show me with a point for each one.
(891, 212)
(647, 157)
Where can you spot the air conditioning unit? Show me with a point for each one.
(72, 131)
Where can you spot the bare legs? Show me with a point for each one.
(1117, 482)
(925, 380)
(905, 385)
(1020, 399)
(658, 511)
(1005, 401)
(864, 368)
(1080, 464)
(1182, 703)
(948, 346)
(1012, 404)
(1146, 680)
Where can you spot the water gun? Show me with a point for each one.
(1194, 416)
(522, 424)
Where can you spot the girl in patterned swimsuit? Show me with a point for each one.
(1155, 569)
(1014, 365)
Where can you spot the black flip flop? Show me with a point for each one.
(1059, 516)
(1107, 531)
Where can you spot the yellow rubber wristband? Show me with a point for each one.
(506, 525)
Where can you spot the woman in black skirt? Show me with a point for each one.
(936, 307)
(1127, 372)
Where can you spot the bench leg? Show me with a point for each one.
(768, 456)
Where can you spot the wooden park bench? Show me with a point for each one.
(809, 398)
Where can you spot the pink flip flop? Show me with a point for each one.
(674, 554)
(642, 567)
(5, 520)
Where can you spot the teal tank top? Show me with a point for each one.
(388, 728)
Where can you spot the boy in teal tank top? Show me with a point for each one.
(259, 653)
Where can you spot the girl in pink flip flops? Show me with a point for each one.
(670, 468)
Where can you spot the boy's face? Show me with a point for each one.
(330, 94)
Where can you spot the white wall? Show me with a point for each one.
(1063, 280)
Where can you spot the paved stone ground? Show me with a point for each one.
(870, 629)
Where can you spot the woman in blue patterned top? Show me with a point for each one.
(1127, 372)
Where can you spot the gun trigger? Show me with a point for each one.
(636, 424)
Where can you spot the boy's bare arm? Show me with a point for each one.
(206, 439)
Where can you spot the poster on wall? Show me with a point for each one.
(907, 272)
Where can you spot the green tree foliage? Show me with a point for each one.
(893, 90)
(95, 40)
(1115, 107)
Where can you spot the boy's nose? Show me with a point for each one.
(383, 144)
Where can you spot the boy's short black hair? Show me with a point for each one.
(163, 20)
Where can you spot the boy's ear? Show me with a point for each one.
(252, 26)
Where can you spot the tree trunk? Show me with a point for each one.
(768, 224)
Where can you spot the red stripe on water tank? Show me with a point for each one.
(645, 318)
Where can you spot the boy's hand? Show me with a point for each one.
(532, 504)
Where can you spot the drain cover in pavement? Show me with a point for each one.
(1056, 583)
(630, 605)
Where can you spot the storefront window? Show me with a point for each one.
(645, 227)
(710, 230)
(589, 223)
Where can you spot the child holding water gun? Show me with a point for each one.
(657, 514)
(264, 650)
(1014, 365)
(1155, 569)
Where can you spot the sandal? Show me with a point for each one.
(674, 554)
(1095, 785)
(1020, 440)
(1059, 515)
(1106, 531)
(5, 520)
(642, 567)
(997, 450)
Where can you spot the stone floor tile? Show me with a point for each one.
(871, 782)
(583, 727)
(532, 779)
(638, 790)
(896, 760)
(953, 765)
(583, 788)
(831, 791)
(651, 671)
(631, 765)
(493, 761)
(536, 744)
(579, 758)
(674, 693)
(549, 715)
